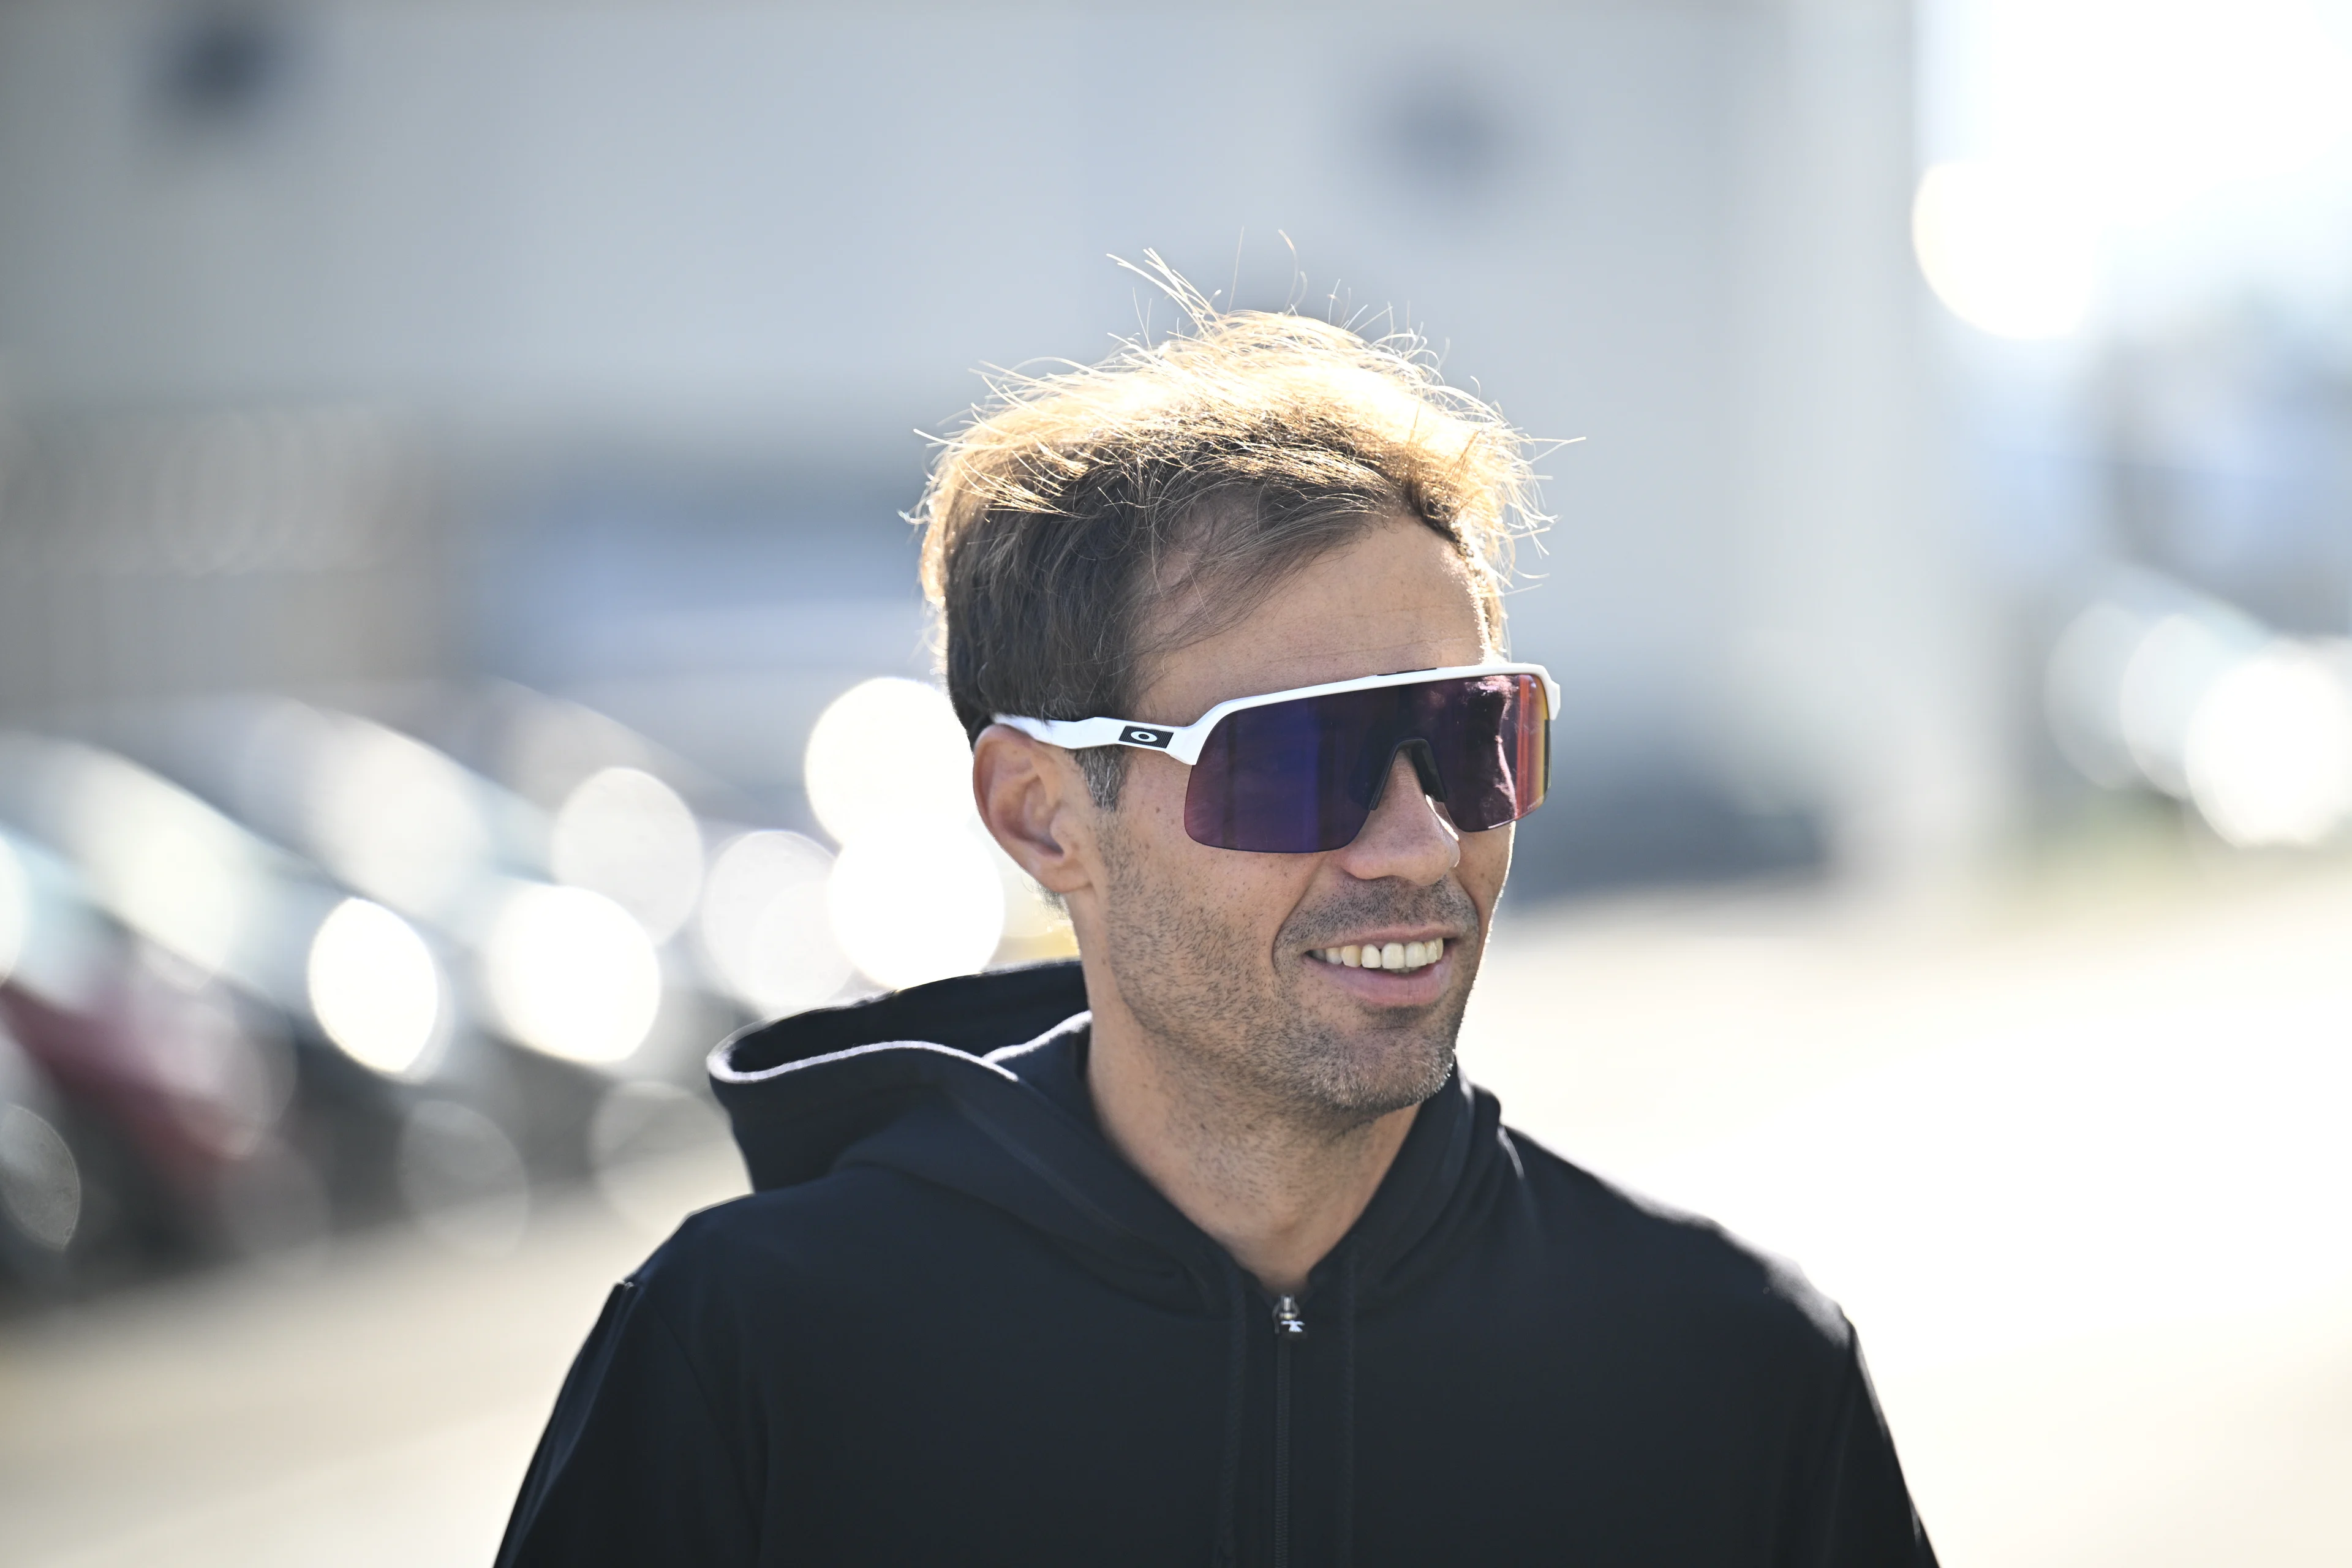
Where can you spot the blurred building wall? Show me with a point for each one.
(1863, 665)
(682, 280)
(153, 555)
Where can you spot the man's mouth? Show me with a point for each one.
(1393, 955)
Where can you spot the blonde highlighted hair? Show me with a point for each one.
(1083, 522)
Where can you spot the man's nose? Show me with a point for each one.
(1404, 838)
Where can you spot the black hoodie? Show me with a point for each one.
(952, 1326)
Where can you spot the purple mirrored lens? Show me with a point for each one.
(1302, 776)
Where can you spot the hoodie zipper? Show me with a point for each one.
(1288, 1327)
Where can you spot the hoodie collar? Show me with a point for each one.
(977, 1084)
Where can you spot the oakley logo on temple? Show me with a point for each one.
(1137, 735)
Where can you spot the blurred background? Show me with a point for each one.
(460, 656)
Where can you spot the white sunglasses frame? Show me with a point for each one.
(1183, 741)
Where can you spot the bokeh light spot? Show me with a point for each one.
(40, 1184)
(2269, 750)
(765, 928)
(171, 866)
(394, 818)
(572, 974)
(2166, 680)
(887, 753)
(626, 834)
(918, 904)
(2008, 251)
(16, 909)
(375, 988)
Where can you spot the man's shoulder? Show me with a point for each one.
(1649, 1258)
(772, 1244)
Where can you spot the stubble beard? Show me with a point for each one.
(1197, 983)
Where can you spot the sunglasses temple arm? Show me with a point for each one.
(1077, 734)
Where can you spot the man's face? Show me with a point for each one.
(1214, 951)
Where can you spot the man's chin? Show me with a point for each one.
(1364, 1074)
(1359, 1102)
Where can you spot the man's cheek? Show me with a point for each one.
(1484, 869)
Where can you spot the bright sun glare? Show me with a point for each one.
(2088, 130)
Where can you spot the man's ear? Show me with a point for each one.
(1035, 802)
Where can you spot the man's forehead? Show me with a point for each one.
(1396, 597)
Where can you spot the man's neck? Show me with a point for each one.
(1277, 1191)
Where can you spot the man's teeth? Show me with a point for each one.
(1393, 955)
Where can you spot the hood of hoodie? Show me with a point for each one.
(977, 1084)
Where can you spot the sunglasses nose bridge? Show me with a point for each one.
(1414, 749)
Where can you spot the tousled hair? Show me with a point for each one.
(1084, 522)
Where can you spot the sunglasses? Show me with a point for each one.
(1298, 772)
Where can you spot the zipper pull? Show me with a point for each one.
(1287, 1323)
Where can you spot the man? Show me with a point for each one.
(1200, 1251)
